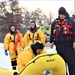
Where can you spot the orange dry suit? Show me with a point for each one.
(13, 43)
(62, 28)
(33, 37)
(26, 56)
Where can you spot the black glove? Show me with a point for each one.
(15, 73)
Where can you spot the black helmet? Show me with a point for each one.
(37, 45)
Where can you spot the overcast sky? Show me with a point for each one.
(48, 5)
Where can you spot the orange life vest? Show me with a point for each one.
(17, 39)
(62, 28)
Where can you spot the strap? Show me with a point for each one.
(33, 36)
(17, 39)
(12, 40)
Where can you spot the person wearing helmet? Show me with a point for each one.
(33, 35)
(13, 42)
(63, 37)
(27, 55)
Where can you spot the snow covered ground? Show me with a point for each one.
(5, 60)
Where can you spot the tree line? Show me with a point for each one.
(12, 13)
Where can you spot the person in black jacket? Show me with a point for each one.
(73, 17)
(63, 37)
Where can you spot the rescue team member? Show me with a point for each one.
(73, 17)
(63, 36)
(33, 35)
(13, 43)
(27, 55)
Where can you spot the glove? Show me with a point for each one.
(6, 53)
(47, 72)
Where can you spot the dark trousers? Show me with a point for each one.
(14, 63)
(66, 51)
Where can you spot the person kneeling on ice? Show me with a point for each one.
(27, 55)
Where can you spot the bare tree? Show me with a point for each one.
(3, 11)
(50, 18)
(16, 14)
(38, 16)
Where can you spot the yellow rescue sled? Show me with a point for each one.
(8, 72)
(43, 62)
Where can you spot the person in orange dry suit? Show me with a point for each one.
(27, 55)
(13, 42)
(34, 35)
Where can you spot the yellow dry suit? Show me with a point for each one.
(26, 56)
(14, 44)
(33, 37)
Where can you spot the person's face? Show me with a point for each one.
(13, 29)
(32, 25)
(74, 19)
(62, 16)
(38, 51)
